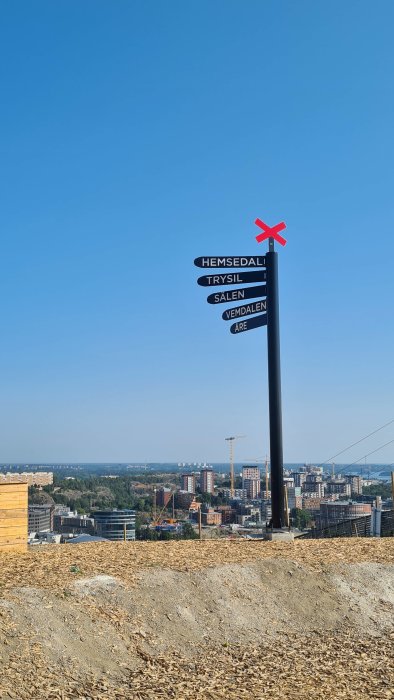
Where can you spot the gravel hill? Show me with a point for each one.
(213, 619)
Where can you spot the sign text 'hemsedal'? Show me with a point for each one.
(238, 261)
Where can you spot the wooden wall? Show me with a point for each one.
(13, 517)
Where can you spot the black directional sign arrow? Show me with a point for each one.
(237, 294)
(225, 261)
(249, 324)
(232, 278)
(256, 307)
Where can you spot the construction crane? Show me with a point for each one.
(230, 440)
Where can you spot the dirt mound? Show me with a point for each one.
(234, 630)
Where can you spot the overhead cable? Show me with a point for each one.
(356, 443)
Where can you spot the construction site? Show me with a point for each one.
(224, 619)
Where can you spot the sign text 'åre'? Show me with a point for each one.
(232, 278)
(225, 261)
(256, 307)
(238, 294)
(249, 324)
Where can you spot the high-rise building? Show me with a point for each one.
(299, 478)
(294, 498)
(250, 473)
(314, 484)
(356, 484)
(253, 488)
(251, 481)
(163, 497)
(207, 481)
(339, 486)
(188, 483)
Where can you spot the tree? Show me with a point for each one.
(188, 532)
(301, 518)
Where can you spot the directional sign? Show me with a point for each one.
(233, 278)
(270, 232)
(249, 324)
(237, 294)
(239, 261)
(256, 307)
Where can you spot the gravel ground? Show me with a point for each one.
(208, 620)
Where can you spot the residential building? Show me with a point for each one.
(163, 497)
(299, 478)
(250, 473)
(228, 514)
(29, 478)
(238, 493)
(356, 484)
(188, 483)
(314, 484)
(339, 486)
(253, 488)
(211, 517)
(294, 498)
(183, 499)
(73, 524)
(207, 480)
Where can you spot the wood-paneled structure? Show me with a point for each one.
(13, 517)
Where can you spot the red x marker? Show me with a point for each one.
(270, 232)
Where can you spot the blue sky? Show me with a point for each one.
(137, 135)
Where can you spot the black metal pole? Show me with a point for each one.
(274, 390)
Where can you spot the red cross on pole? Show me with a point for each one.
(270, 232)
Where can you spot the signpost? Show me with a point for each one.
(239, 261)
(247, 310)
(249, 323)
(269, 305)
(232, 278)
(237, 294)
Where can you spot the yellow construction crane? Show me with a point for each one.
(230, 440)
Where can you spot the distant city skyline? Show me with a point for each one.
(136, 137)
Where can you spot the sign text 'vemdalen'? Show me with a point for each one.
(249, 324)
(238, 294)
(255, 307)
(232, 278)
(225, 261)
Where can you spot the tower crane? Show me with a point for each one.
(230, 440)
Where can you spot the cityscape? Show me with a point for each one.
(196, 364)
(199, 502)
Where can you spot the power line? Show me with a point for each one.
(369, 453)
(357, 443)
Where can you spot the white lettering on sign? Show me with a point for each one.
(252, 261)
(229, 296)
(247, 310)
(223, 279)
(242, 326)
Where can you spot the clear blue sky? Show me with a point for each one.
(137, 135)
